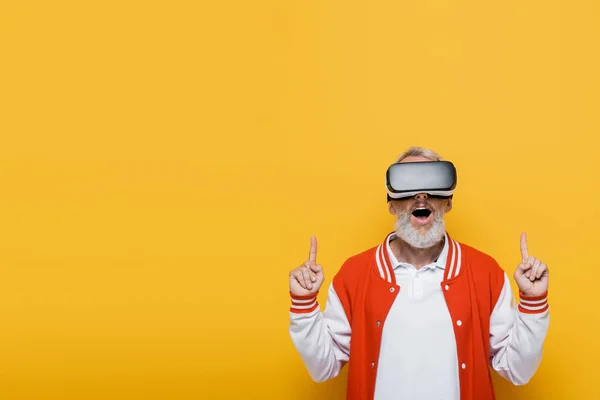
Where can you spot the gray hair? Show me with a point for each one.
(415, 151)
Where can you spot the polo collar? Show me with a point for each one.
(439, 262)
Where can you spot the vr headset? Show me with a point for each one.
(436, 178)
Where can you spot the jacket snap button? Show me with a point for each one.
(459, 322)
(378, 323)
(464, 366)
(373, 364)
(447, 287)
(392, 289)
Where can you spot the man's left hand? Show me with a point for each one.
(531, 274)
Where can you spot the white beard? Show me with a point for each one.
(420, 240)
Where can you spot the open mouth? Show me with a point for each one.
(421, 215)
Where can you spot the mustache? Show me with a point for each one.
(405, 214)
(421, 204)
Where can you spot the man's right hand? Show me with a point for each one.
(307, 278)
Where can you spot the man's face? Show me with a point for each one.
(420, 219)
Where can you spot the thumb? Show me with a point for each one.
(523, 267)
(316, 268)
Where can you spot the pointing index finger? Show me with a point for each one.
(524, 251)
(312, 256)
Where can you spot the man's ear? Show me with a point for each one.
(391, 208)
(449, 204)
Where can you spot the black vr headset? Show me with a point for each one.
(406, 179)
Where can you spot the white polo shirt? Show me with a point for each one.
(418, 329)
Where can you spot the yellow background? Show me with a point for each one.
(163, 165)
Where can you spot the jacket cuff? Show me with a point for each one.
(304, 304)
(533, 304)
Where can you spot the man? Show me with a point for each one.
(420, 316)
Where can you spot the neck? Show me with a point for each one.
(404, 252)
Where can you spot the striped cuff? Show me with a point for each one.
(304, 304)
(533, 304)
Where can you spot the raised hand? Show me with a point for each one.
(531, 274)
(307, 278)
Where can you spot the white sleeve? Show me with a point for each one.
(322, 339)
(517, 334)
